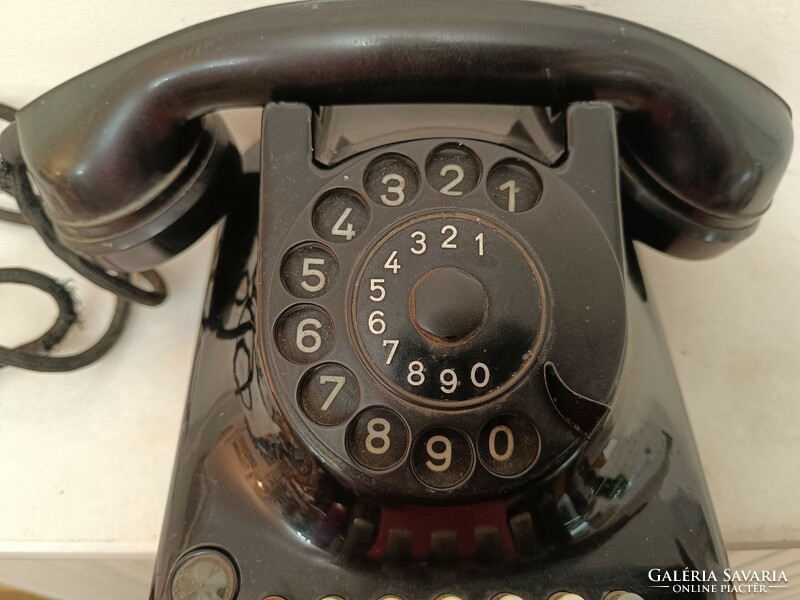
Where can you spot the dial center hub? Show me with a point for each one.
(448, 304)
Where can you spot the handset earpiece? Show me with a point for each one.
(173, 196)
(705, 145)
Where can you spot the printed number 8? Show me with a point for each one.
(378, 430)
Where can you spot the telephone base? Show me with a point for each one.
(633, 502)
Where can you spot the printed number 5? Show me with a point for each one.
(309, 272)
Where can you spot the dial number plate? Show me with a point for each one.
(448, 309)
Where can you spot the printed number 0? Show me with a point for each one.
(303, 333)
(493, 443)
(445, 456)
(473, 375)
(373, 434)
(415, 373)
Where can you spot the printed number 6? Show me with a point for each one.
(303, 334)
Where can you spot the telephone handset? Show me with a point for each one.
(428, 367)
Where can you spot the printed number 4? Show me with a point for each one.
(391, 263)
(348, 232)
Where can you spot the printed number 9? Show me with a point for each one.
(449, 381)
(444, 456)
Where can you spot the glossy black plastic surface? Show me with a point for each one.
(703, 145)
(552, 277)
(633, 501)
(250, 479)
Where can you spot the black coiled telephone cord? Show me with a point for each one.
(36, 354)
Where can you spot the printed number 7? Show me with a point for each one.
(336, 379)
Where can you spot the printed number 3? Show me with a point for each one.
(397, 189)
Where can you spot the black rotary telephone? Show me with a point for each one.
(428, 369)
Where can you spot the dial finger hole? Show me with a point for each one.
(442, 458)
(453, 170)
(508, 445)
(514, 186)
(309, 270)
(340, 216)
(378, 439)
(328, 394)
(304, 334)
(391, 180)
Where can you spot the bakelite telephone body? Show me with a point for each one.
(427, 366)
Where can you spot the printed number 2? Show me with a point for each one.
(448, 190)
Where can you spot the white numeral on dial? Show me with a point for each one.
(513, 190)
(303, 334)
(393, 344)
(449, 381)
(479, 375)
(419, 238)
(375, 286)
(348, 232)
(493, 443)
(376, 324)
(448, 190)
(416, 375)
(377, 430)
(445, 456)
(391, 263)
(309, 272)
(338, 381)
(453, 233)
(479, 239)
(397, 190)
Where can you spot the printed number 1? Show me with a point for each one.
(513, 190)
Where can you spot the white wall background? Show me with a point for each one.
(731, 323)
